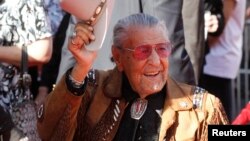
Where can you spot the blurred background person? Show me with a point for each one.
(23, 23)
(222, 62)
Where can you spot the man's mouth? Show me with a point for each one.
(151, 74)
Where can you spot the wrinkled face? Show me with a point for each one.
(147, 74)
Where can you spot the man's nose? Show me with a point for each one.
(154, 58)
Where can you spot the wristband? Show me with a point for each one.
(75, 87)
(75, 83)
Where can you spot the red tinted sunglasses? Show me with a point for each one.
(144, 51)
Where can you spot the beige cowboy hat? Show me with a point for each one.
(94, 12)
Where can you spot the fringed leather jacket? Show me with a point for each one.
(95, 116)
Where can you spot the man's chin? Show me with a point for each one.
(153, 89)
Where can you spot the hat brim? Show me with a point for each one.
(100, 26)
(100, 30)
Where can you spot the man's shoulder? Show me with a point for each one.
(205, 103)
(204, 100)
(200, 97)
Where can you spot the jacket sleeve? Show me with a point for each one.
(215, 115)
(59, 114)
(218, 116)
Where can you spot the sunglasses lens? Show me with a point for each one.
(163, 49)
(142, 52)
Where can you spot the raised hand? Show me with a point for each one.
(82, 36)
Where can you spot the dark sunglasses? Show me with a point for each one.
(144, 51)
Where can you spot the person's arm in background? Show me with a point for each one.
(39, 52)
(229, 6)
(40, 47)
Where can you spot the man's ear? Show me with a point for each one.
(116, 52)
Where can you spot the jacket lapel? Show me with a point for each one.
(176, 99)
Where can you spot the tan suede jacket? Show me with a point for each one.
(187, 111)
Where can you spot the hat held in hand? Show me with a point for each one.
(94, 12)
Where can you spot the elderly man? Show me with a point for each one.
(137, 100)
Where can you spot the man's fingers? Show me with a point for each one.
(85, 32)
